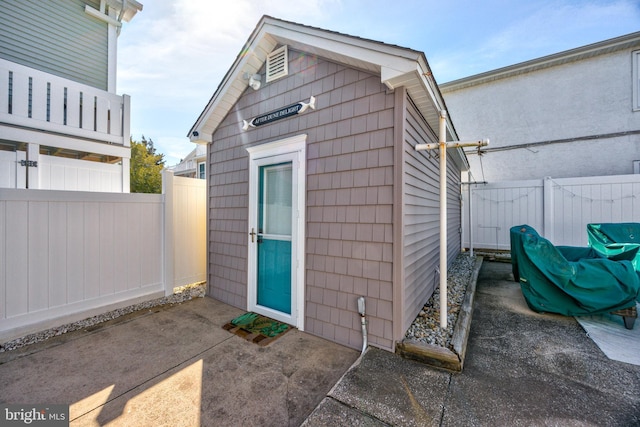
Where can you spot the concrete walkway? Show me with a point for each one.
(175, 366)
(521, 369)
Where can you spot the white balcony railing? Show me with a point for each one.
(36, 100)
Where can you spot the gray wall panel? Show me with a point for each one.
(421, 215)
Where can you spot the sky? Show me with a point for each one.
(174, 53)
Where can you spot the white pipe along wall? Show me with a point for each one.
(442, 146)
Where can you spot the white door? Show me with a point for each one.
(276, 230)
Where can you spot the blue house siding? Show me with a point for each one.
(56, 37)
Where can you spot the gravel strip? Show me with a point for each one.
(181, 294)
(426, 327)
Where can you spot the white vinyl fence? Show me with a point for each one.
(185, 232)
(67, 255)
(11, 175)
(60, 173)
(559, 209)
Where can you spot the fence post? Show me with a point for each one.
(168, 241)
(126, 175)
(33, 174)
(470, 215)
(547, 209)
(126, 142)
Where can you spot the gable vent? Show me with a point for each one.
(277, 64)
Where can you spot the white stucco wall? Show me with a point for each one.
(577, 107)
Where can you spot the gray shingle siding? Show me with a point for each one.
(421, 215)
(454, 212)
(56, 37)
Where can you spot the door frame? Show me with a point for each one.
(291, 149)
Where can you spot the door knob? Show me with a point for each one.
(253, 235)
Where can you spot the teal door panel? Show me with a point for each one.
(274, 274)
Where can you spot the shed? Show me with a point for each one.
(316, 194)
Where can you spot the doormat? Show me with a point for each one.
(257, 328)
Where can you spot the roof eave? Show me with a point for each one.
(424, 92)
(607, 46)
(126, 9)
(396, 66)
(269, 33)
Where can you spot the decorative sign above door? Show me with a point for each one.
(282, 113)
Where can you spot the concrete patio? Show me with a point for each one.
(175, 366)
(521, 369)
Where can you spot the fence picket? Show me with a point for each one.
(559, 208)
(101, 251)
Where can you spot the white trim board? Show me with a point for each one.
(289, 149)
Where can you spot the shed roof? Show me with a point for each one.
(397, 66)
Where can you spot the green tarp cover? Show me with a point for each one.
(551, 283)
(618, 241)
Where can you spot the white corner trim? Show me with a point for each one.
(101, 16)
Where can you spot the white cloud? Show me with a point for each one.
(197, 39)
(174, 149)
(174, 53)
